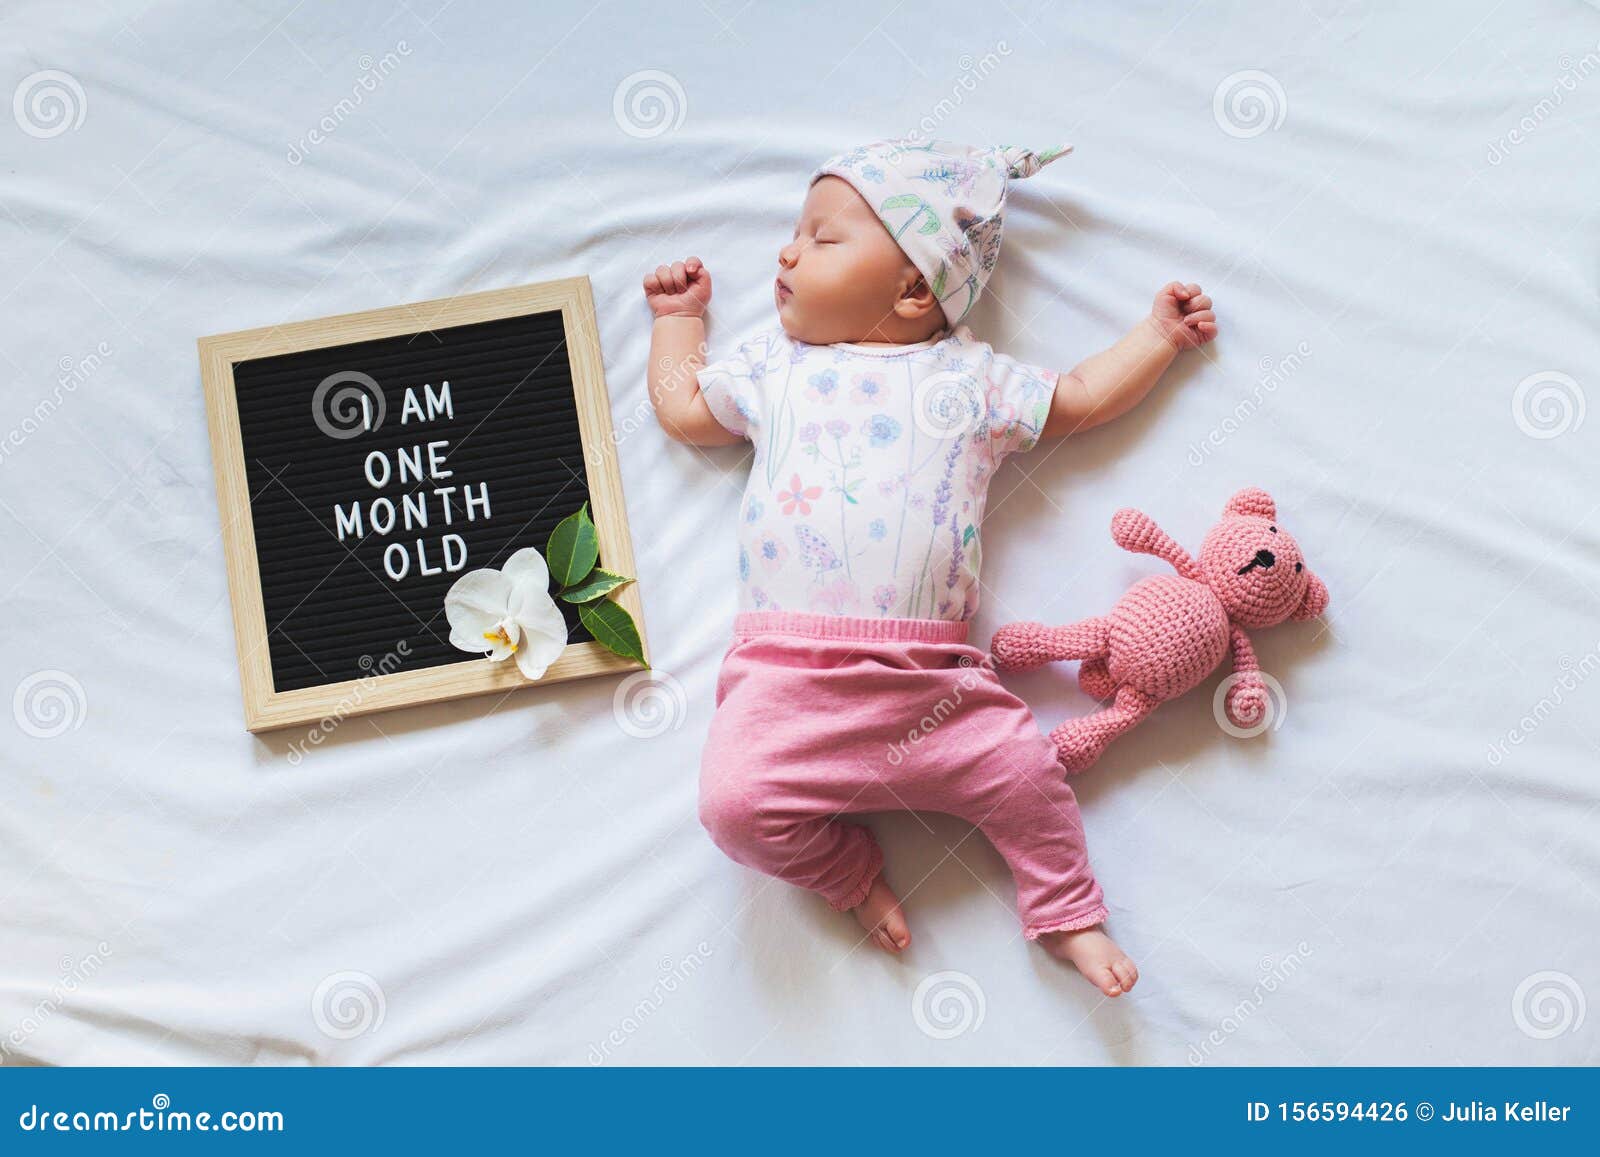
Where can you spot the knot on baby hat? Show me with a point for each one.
(943, 203)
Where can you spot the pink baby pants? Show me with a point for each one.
(820, 716)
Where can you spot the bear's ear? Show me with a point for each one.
(1252, 500)
(1314, 601)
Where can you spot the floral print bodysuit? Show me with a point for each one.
(871, 468)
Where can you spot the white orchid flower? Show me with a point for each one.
(506, 612)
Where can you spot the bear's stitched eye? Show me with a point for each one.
(1298, 567)
(1274, 529)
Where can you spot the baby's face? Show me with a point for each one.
(842, 277)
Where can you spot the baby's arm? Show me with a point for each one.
(678, 295)
(1114, 381)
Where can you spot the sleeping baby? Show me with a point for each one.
(877, 421)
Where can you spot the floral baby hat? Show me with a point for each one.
(943, 203)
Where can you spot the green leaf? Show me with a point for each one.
(938, 282)
(968, 535)
(574, 548)
(899, 201)
(613, 628)
(600, 583)
(929, 226)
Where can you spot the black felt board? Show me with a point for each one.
(332, 610)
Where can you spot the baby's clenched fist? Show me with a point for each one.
(682, 289)
(1184, 315)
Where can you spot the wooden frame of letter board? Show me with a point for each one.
(266, 708)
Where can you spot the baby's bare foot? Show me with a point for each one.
(880, 915)
(1097, 956)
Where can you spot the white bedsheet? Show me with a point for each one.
(521, 880)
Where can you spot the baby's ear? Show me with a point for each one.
(916, 300)
(1252, 500)
(1314, 601)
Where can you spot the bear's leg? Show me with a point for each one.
(1080, 741)
(1095, 679)
(1024, 646)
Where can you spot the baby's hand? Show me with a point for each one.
(682, 289)
(1184, 316)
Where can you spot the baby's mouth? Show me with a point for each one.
(1263, 558)
(783, 291)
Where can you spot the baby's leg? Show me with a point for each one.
(799, 739)
(784, 824)
(1020, 801)
(1030, 814)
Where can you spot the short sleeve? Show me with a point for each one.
(1019, 397)
(734, 387)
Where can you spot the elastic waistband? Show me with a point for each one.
(747, 623)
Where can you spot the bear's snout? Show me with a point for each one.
(1263, 558)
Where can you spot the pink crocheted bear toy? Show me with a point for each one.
(1170, 631)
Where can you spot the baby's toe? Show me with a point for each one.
(1106, 981)
(1127, 975)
